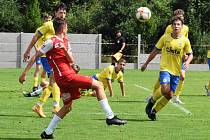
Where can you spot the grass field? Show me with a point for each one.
(87, 120)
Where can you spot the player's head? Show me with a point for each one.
(121, 64)
(60, 10)
(60, 26)
(179, 12)
(47, 17)
(177, 23)
(118, 33)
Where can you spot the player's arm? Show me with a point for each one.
(123, 45)
(188, 60)
(26, 55)
(122, 87)
(22, 78)
(152, 55)
(48, 45)
(109, 84)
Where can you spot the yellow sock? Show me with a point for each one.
(161, 103)
(45, 94)
(43, 79)
(157, 91)
(179, 88)
(56, 94)
(36, 81)
(209, 85)
(157, 94)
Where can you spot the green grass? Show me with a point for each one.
(87, 120)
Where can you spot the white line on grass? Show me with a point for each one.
(186, 111)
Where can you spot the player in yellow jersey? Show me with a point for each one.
(44, 83)
(184, 31)
(207, 87)
(47, 31)
(173, 46)
(110, 74)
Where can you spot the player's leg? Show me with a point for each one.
(168, 86)
(179, 88)
(56, 97)
(207, 87)
(36, 74)
(48, 133)
(101, 96)
(38, 108)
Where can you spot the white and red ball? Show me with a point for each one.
(143, 14)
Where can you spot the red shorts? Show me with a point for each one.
(70, 86)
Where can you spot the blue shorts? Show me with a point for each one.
(209, 62)
(38, 61)
(46, 66)
(167, 78)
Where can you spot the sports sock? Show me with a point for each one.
(36, 80)
(157, 94)
(161, 103)
(45, 94)
(209, 85)
(52, 124)
(107, 109)
(179, 88)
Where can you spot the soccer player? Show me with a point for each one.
(110, 74)
(47, 31)
(118, 47)
(173, 46)
(184, 31)
(207, 87)
(60, 57)
(44, 83)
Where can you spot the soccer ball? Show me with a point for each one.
(143, 14)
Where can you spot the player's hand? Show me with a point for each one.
(26, 56)
(143, 67)
(22, 78)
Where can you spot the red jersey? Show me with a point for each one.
(56, 56)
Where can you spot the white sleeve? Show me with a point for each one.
(48, 45)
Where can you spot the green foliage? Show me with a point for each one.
(33, 16)
(10, 18)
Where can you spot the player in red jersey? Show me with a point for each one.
(60, 58)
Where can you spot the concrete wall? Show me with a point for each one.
(86, 50)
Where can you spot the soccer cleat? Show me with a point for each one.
(45, 136)
(115, 121)
(207, 90)
(37, 109)
(55, 109)
(176, 100)
(34, 89)
(149, 106)
(152, 115)
(27, 94)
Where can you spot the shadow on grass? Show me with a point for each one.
(20, 138)
(17, 115)
(130, 120)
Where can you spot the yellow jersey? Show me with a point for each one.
(208, 54)
(109, 74)
(47, 30)
(172, 52)
(184, 31)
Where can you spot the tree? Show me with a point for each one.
(10, 18)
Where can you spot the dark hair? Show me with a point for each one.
(60, 6)
(58, 24)
(178, 12)
(174, 18)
